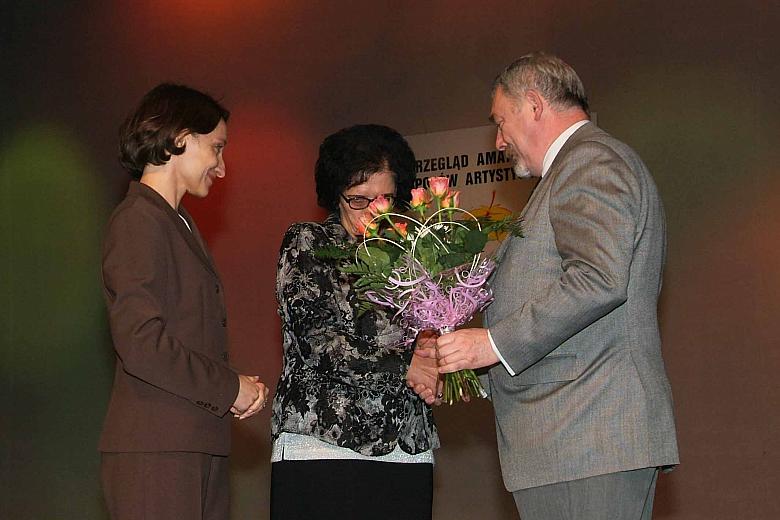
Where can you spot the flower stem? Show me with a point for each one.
(462, 383)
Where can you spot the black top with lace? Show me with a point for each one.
(343, 377)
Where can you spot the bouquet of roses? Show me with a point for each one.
(428, 265)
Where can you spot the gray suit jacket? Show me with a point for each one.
(575, 317)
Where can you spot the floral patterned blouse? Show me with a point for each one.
(343, 379)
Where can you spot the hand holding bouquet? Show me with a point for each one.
(427, 265)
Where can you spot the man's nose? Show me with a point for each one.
(500, 143)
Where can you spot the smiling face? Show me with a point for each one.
(202, 161)
(514, 120)
(380, 183)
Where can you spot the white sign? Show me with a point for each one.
(481, 173)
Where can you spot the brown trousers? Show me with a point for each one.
(168, 485)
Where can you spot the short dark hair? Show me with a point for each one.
(148, 135)
(351, 155)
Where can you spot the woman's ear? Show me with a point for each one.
(181, 138)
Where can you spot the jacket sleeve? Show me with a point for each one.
(136, 259)
(593, 209)
(320, 321)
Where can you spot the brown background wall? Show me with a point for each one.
(691, 85)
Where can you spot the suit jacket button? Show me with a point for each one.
(214, 408)
(199, 403)
(224, 322)
(216, 286)
(224, 356)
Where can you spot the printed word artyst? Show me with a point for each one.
(492, 175)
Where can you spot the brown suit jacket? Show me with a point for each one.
(172, 386)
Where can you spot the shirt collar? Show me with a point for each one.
(556, 145)
(333, 222)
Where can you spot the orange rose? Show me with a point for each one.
(452, 200)
(400, 228)
(439, 186)
(380, 206)
(420, 199)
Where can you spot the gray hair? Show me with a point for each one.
(552, 77)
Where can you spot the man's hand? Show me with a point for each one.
(251, 397)
(423, 375)
(465, 348)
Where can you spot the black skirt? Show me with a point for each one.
(351, 489)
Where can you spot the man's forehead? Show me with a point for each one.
(495, 108)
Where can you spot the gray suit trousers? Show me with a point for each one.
(627, 495)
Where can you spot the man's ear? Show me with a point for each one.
(535, 102)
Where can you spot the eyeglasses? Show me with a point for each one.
(361, 202)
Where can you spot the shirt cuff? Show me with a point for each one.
(500, 357)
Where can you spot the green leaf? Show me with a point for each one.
(459, 235)
(332, 252)
(394, 253)
(454, 259)
(374, 257)
(475, 241)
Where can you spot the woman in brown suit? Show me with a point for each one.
(166, 435)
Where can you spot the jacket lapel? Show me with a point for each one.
(581, 133)
(192, 238)
(195, 240)
(505, 244)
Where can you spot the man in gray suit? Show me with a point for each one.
(582, 402)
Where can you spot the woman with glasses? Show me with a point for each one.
(350, 438)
